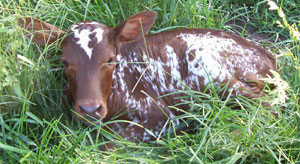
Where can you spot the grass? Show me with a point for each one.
(36, 122)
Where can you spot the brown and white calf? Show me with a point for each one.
(116, 70)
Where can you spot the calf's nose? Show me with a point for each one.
(90, 109)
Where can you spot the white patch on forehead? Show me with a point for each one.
(84, 36)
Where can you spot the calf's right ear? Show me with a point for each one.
(134, 27)
(42, 32)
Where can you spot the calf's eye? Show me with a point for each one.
(110, 60)
(65, 63)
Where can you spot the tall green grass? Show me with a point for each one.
(36, 122)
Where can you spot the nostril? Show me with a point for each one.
(90, 109)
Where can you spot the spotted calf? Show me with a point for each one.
(117, 70)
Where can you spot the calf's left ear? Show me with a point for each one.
(42, 32)
(134, 27)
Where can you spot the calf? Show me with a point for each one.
(121, 70)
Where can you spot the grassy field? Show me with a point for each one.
(36, 122)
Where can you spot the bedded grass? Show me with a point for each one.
(36, 122)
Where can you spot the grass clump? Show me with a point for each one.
(36, 122)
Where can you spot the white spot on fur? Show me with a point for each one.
(173, 64)
(84, 37)
(204, 58)
(119, 128)
(119, 75)
(214, 59)
(172, 117)
(156, 72)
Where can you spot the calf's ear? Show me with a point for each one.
(42, 32)
(134, 27)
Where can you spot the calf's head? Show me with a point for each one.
(88, 53)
